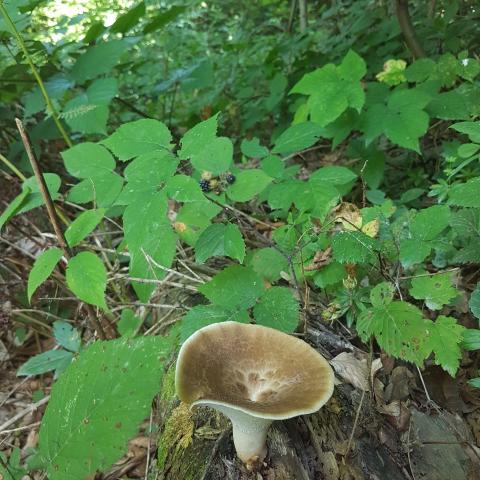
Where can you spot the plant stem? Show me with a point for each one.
(408, 31)
(302, 6)
(37, 76)
(52, 215)
(13, 168)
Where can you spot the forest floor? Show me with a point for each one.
(386, 421)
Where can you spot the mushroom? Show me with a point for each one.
(253, 375)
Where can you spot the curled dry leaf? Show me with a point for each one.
(353, 369)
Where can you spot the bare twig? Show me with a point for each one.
(22, 413)
(52, 215)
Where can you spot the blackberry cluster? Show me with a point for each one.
(230, 178)
(204, 185)
(215, 184)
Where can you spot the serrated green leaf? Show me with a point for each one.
(413, 251)
(146, 174)
(382, 294)
(430, 222)
(316, 197)
(149, 233)
(402, 119)
(83, 225)
(466, 194)
(103, 189)
(88, 112)
(87, 278)
(108, 394)
(435, 290)
(197, 137)
(471, 339)
(34, 199)
(252, 148)
(399, 329)
(87, 159)
(98, 59)
(452, 105)
(269, 263)
(248, 184)
(138, 137)
(474, 302)
(45, 362)
(129, 323)
(203, 315)
(472, 129)
(215, 156)
(333, 175)
(333, 89)
(444, 339)
(273, 166)
(42, 269)
(282, 195)
(475, 382)
(330, 274)
(234, 287)
(193, 218)
(278, 308)
(66, 336)
(151, 168)
(297, 137)
(353, 247)
(183, 188)
(220, 240)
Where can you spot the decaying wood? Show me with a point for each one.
(197, 445)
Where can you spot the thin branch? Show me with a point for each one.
(408, 31)
(22, 413)
(54, 220)
(132, 107)
(293, 7)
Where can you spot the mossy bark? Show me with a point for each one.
(197, 445)
(329, 445)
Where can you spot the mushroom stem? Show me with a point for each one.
(249, 434)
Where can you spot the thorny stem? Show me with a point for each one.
(52, 215)
(35, 73)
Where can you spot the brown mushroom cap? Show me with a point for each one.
(258, 370)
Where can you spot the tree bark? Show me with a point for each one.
(302, 6)
(408, 31)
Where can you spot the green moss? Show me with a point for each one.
(177, 434)
(168, 387)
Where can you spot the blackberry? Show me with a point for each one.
(204, 185)
(230, 178)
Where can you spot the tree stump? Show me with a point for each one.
(328, 445)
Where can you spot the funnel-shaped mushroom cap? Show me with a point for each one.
(257, 370)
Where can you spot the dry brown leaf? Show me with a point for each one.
(352, 367)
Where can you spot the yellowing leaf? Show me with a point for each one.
(371, 228)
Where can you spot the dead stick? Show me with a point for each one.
(52, 215)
